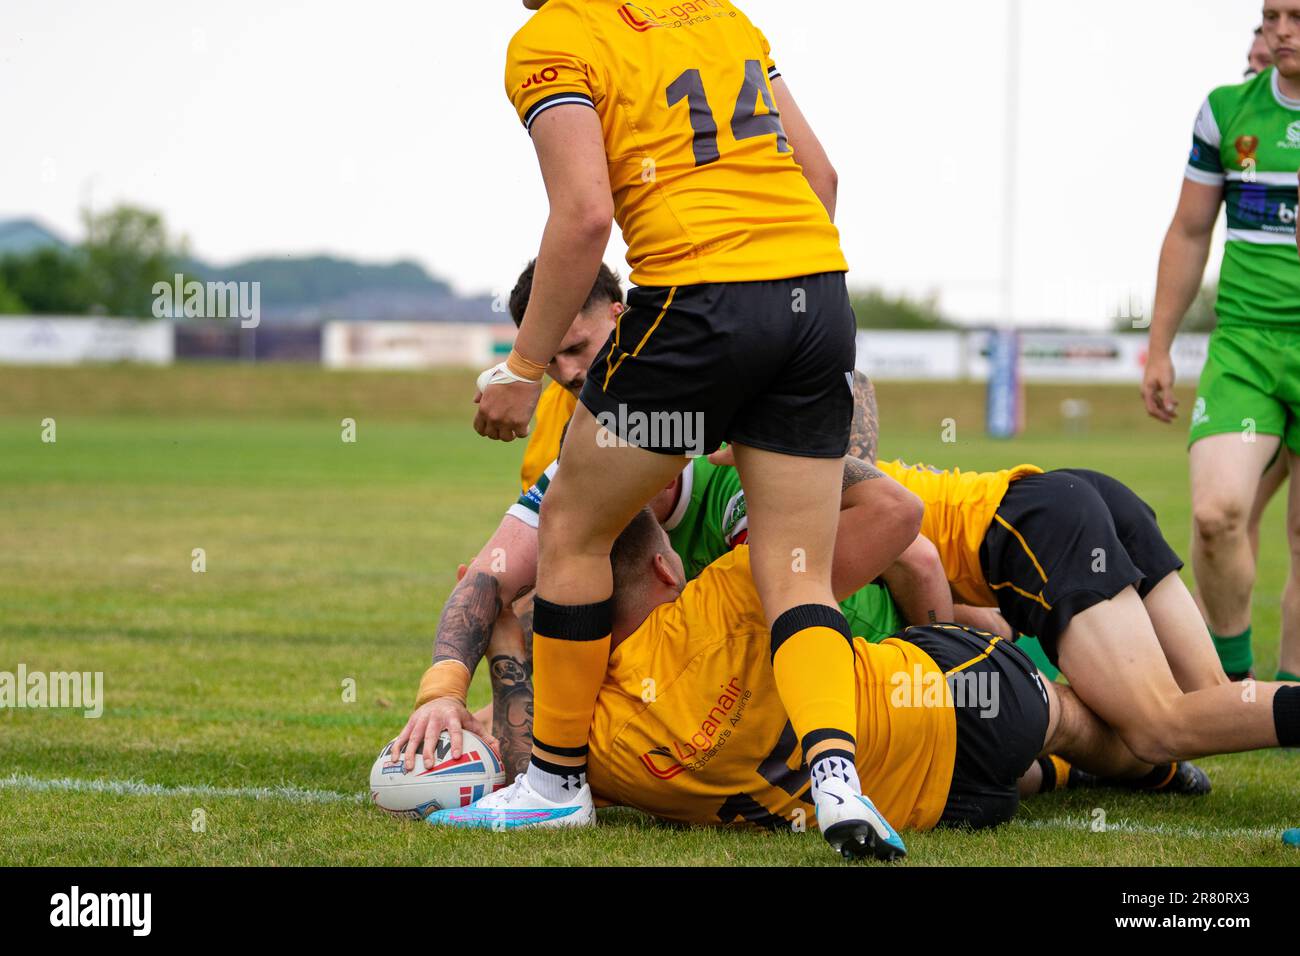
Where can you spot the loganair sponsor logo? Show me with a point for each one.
(691, 754)
(637, 18)
(661, 763)
(642, 16)
(548, 75)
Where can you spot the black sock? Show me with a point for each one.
(1159, 776)
(1286, 716)
(1048, 766)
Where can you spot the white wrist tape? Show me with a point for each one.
(501, 375)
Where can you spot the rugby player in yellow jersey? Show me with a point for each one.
(567, 369)
(1076, 558)
(689, 724)
(739, 329)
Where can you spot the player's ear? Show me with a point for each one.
(664, 571)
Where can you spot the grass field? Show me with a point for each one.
(328, 561)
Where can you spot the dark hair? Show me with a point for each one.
(640, 541)
(606, 291)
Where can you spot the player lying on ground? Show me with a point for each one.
(1078, 559)
(703, 512)
(706, 514)
(739, 326)
(709, 516)
(689, 725)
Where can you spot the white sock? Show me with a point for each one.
(834, 765)
(558, 787)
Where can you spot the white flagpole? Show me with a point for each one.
(1011, 165)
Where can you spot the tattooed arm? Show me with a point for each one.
(512, 689)
(507, 565)
(865, 432)
(503, 570)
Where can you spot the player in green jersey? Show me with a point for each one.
(1245, 155)
(704, 513)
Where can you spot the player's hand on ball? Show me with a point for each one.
(505, 409)
(426, 726)
(1158, 388)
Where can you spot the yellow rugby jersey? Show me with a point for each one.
(689, 725)
(554, 409)
(959, 507)
(706, 187)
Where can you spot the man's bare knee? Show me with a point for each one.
(1217, 521)
(1156, 739)
(909, 511)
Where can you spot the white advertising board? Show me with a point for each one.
(53, 340)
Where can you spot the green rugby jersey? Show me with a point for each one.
(710, 517)
(709, 520)
(1247, 140)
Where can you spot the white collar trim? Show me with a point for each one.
(683, 498)
(1281, 97)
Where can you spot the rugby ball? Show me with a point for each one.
(446, 784)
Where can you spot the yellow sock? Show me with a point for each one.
(813, 662)
(570, 655)
(1062, 768)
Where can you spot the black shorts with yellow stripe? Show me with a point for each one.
(1064, 541)
(766, 364)
(1002, 715)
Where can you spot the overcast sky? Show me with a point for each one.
(381, 131)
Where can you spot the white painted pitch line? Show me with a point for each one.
(136, 788)
(1084, 824)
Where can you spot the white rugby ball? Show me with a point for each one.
(446, 784)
